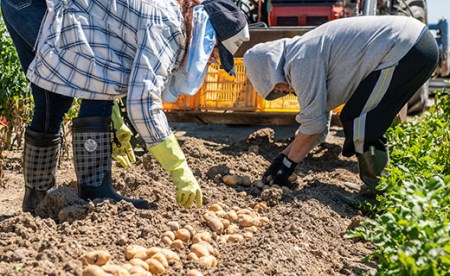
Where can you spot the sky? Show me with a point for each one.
(438, 9)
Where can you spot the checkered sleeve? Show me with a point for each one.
(158, 54)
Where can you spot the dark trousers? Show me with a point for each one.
(373, 106)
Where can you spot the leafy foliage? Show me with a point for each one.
(412, 228)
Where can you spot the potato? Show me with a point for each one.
(244, 211)
(252, 229)
(210, 248)
(190, 229)
(174, 225)
(161, 258)
(208, 261)
(260, 206)
(215, 207)
(225, 223)
(231, 216)
(115, 270)
(214, 223)
(246, 221)
(139, 262)
(127, 266)
(292, 177)
(192, 256)
(178, 244)
(139, 271)
(246, 181)
(235, 238)
(199, 250)
(231, 180)
(155, 267)
(247, 235)
(286, 190)
(98, 257)
(202, 236)
(132, 249)
(183, 234)
(232, 229)
(263, 220)
(169, 234)
(166, 240)
(170, 255)
(94, 270)
(235, 208)
(144, 255)
(221, 214)
(194, 272)
(223, 238)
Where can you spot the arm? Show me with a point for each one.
(301, 146)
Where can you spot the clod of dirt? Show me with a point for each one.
(72, 213)
(56, 201)
(272, 196)
(261, 137)
(356, 222)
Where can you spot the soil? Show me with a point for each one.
(304, 235)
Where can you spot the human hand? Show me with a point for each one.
(273, 168)
(281, 176)
(187, 189)
(122, 151)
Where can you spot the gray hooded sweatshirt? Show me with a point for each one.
(326, 65)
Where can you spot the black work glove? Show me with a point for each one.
(281, 177)
(273, 168)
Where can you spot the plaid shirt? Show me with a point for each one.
(108, 49)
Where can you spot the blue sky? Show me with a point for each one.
(438, 9)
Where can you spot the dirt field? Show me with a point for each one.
(304, 235)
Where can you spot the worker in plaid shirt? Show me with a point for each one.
(102, 50)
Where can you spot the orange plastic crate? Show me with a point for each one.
(184, 102)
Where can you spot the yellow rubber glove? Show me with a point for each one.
(124, 153)
(172, 159)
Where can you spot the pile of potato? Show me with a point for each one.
(228, 224)
(236, 224)
(141, 262)
(233, 180)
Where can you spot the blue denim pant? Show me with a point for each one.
(23, 19)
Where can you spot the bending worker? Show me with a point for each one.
(372, 64)
(102, 50)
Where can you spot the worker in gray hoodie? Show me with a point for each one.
(372, 64)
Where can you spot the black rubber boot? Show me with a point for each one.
(371, 166)
(93, 161)
(39, 166)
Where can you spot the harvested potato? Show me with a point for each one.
(246, 221)
(235, 208)
(221, 214)
(231, 216)
(93, 270)
(115, 270)
(232, 229)
(252, 229)
(155, 267)
(132, 249)
(263, 220)
(215, 207)
(210, 248)
(183, 234)
(174, 225)
(194, 272)
(144, 255)
(247, 235)
(235, 238)
(231, 180)
(246, 181)
(214, 223)
(190, 229)
(225, 223)
(139, 271)
(161, 258)
(192, 256)
(292, 177)
(223, 238)
(98, 257)
(260, 206)
(202, 236)
(199, 250)
(244, 211)
(139, 262)
(166, 240)
(170, 255)
(178, 244)
(127, 266)
(208, 261)
(169, 234)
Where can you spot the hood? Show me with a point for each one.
(264, 65)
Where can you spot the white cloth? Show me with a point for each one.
(191, 75)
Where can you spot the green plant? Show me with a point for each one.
(412, 228)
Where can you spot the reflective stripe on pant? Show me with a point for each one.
(370, 110)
